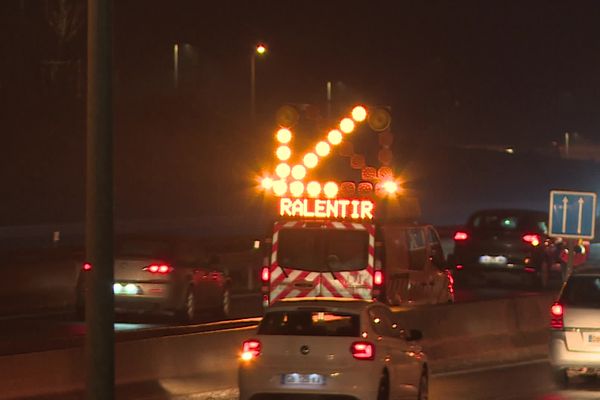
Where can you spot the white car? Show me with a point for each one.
(334, 348)
(575, 323)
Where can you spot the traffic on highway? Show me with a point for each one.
(299, 201)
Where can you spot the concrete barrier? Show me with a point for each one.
(460, 335)
(212, 355)
(454, 336)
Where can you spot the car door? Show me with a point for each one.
(394, 253)
(437, 278)
(419, 289)
(403, 366)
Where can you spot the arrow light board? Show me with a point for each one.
(572, 214)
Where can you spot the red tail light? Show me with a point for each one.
(265, 274)
(363, 351)
(532, 238)
(450, 281)
(557, 321)
(87, 267)
(250, 349)
(461, 236)
(162, 269)
(378, 278)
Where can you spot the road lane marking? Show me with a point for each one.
(490, 368)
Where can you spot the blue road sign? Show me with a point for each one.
(572, 214)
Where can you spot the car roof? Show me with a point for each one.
(519, 211)
(338, 303)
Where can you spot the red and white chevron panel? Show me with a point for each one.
(300, 283)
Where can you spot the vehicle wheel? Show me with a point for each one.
(560, 377)
(423, 387)
(187, 313)
(224, 307)
(383, 393)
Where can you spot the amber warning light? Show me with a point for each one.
(353, 209)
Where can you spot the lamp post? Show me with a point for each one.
(176, 65)
(258, 50)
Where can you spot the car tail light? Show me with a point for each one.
(250, 349)
(450, 281)
(363, 351)
(378, 278)
(265, 274)
(86, 267)
(532, 238)
(459, 266)
(557, 321)
(461, 236)
(162, 269)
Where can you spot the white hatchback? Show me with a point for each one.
(575, 323)
(332, 348)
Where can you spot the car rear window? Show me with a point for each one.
(582, 291)
(506, 221)
(309, 323)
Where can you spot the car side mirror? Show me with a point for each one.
(410, 335)
(413, 335)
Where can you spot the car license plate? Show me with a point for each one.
(303, 379)
(593, 338)
(493, 260)
(126, 289)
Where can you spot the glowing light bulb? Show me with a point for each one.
(283, 170)
(335, 137)
(330, 189)
(279, 188)
(284, 135)
(283, 153)
(298, 172)
(266, 183)
(313, 189)
(311, 160)
(347, 125)
(322, 149)
(359, 113)
(390, 186)
(296, 188)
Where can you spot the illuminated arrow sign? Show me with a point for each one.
(572, 214)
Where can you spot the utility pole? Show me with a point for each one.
(99, 340)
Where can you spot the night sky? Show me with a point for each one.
(455, 73)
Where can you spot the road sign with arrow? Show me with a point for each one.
(572, 214)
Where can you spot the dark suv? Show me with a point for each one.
(498, 242)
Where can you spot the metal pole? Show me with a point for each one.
(176, 65)
(253, 87)
(571, 259)
(99, 341)
(328, 99)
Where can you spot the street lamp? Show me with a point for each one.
(259, 50)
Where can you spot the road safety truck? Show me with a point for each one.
(345, 238)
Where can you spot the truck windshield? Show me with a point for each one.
(323, 250)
